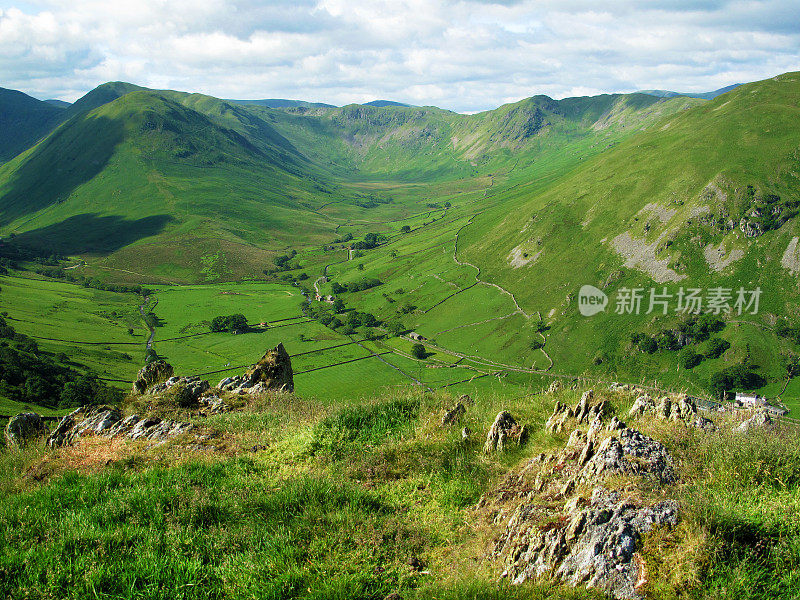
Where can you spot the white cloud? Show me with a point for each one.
(462, 54)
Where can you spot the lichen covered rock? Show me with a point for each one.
(108, 421)
(272, 372)
(504, 430)
(24, 427)
(151, 374)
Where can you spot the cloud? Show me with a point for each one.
(465, 55)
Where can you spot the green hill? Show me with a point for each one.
(173, 168)
(540, 197)
(24, 121)
(707, 198)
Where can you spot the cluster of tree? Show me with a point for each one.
(370, 201)
(282, 262)
(88, 282)
(349, 322)
(355, 286)
(371, 240)
(29, 375)
(737, 377)
(693, 329)
(787, 331)
(405, 229)
(344, 239)
(234, 323)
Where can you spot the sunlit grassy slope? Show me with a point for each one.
(160, 182)
(647, 213)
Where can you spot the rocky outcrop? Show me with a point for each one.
(551, 526)
(24, 427)
(109, 422)
(631, 453)
(452, 416)
(273, 371)
(504, 430)
(592, 545)
(681, 408)
(186, 390)
(151, 374)
(213, 405)
(583, 412)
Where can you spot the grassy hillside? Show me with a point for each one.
(706, 198)
(294, 499)
(24, 121)
(166, 181)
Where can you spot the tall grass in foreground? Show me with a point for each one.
(307, 501)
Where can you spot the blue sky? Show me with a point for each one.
(461, 55)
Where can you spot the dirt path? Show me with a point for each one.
(316, 283)
(149, 344)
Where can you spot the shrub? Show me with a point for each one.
(689, 359)
(236, 322)
(716, 347)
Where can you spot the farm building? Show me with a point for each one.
(415, 336)
(748, 400)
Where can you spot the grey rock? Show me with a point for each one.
(503, 430)
(594, 546)
(452, 416)
(759, 420)
(151, 374)
(633, 453)
(24, 427)
(107, 421)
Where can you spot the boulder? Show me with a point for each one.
(273, 371)
(632, 453)
(186, 390)
(24, 427)
(452, 416)
(151, 374)
(503, 430)
(643, 404)
(759, 420)
(107, 421)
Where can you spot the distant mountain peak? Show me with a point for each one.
(701, 95)
(383, 103)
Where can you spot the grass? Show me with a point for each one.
(333, 500)
(551, 194)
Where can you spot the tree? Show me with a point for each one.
(405, 229)
(396, 328)
(418, 351)
(536, 344)
(338, 305)
(716, 347)
(236, 322)
(689, 359)
(338, 288)
(369, 320)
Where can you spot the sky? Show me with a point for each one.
(466, 55)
